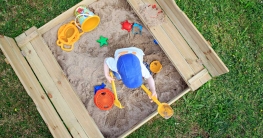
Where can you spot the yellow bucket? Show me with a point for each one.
(156, 66)
(86, 19)
(68, 34)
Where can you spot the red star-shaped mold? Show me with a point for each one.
(126, 26)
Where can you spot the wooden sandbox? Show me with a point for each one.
(56, 100)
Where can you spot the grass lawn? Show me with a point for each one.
(230, 105)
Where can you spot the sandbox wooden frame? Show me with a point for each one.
(56, 101)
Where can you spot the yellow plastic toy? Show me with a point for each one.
(164, 109)
(156, 66)
(68, 34)
(116, 100)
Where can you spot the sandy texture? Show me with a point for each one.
(84, 67)
(153, 15)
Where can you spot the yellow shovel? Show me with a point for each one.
(163, 109)
(116, 101)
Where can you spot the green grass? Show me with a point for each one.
(18, 114)
(230, 105)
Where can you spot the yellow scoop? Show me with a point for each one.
(116, 100)
(68, 34)
(163, 109)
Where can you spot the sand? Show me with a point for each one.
(83, 67)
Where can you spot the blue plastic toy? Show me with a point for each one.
(98, 87)
(155, 42)
(138, 26)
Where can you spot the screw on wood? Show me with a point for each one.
(54, 127)
(49, 95)
(23, 53)
(208, 52)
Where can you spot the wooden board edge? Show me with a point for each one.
(211, 60)
(24, 41)
(62, 17)
(153, 114)
(64, 86)
(182, 45)
(51, 90)
(6, 61)
(184, 68)
(198, 80)
(33, 88)
(197, 76)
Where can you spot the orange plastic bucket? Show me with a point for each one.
(104, 99)
(156, 66)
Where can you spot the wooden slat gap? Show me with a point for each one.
(28, 38)
(197, 76)
(32, 87)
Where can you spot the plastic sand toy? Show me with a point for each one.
(104, 99)
(68, 34)
(98, 87)
(156, 66)
(126, 26)
(164, 109)
(87, 20)
(139, 28)
(155, 42)
(102, 41)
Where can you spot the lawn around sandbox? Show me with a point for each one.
(228, 106)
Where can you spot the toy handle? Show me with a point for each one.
(76, 24)
(67, 49)
(150, 94)
(76, 19)
(113, 86)
(59, 43)
(63, 48)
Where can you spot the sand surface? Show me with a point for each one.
(84, 67)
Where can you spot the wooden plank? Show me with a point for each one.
(6, 61)
(33, 88)
(172, 52)
(64, 86)
(167, 45)
(24, 41)
(182, 46)
(176, 48)
(179, 41)
(197, 76)
(197, 42)
(62, 17)
(205, 78)
(135, 127)
(199, 79)
(51, 90)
